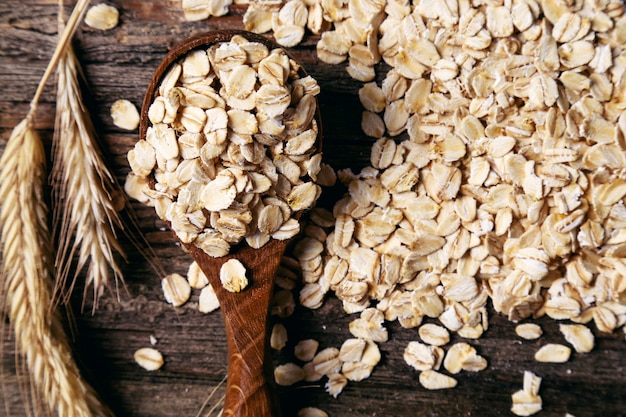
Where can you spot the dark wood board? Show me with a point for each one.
(118, 64)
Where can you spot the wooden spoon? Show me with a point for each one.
(250, 387)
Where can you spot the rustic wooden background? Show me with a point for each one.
(118, 64)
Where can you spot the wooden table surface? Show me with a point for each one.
(118, 64)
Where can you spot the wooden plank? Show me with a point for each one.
(118, 64)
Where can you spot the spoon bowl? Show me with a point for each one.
(250, 387)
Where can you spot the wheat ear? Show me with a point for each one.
(85, 192)
(26, 282)
(87, 197)
(42, 348)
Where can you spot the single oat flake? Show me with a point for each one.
(579, 336)
(208, 301)
(553, 352)
(306, 349)
(102, 17)
(149, 359)
(125, 115)
(176, 289)
(434, 380)
(528, 331)
(233, 276)
(278, 337)
(288, 374)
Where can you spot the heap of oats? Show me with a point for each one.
(497, 173)
(232, 147)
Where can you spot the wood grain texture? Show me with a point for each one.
(119, 64)
(250, 388)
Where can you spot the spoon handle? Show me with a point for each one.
(250, 388)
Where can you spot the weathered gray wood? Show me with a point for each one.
(119, 64)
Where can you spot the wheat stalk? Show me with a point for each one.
(42, 348)
(218, 406)
(84, 191)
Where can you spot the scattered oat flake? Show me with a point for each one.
(176, 289)
(525, 404)
(356, 371)
(579, 336)
(197, 279)
(278, 337)
(288, 374)
(208, 301)
(326, 361)
(125, 115)
(305, 350)
(149, 359)
(352, 350)
(456, 357)
(102, 17)
(422, 357)
(434, 380)
(528, 331)
(553, 353)
(434, 334)
(195, 10)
